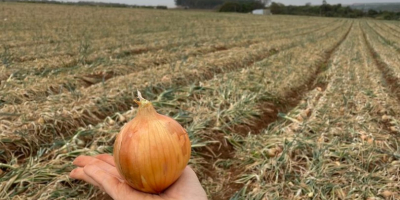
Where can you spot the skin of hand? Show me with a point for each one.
(100, 171)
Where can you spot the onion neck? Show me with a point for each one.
(146, 108)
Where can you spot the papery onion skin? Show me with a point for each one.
(152, 150)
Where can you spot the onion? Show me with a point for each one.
(152, 150)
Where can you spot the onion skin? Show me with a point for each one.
(152, 150)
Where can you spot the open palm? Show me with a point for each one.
(100, 171)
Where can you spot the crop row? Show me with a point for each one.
(32, 25)
(80, 76)
(210, 111)
(125, 31)
(394, 29)
(63, 114)
(387, 58)
(119, 46)
(88, 55)
(29, 53)
(386, 34)
(122, 33)
(104, 50)
(336, 143)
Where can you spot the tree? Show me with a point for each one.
(200, 4)
(241, 6)
(372, 13)
(325, 8)
(211, 4)
(277, 8)
(265, 2)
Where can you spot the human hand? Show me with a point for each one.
(100, 171)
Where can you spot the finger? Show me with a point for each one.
(78, 173)
(111, 184)
(188, 175)
(108, 182)
(187, 183)
(106, 158)
(83, 161)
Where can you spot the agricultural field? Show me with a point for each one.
(276, 107)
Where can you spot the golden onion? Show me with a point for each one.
(152, 150)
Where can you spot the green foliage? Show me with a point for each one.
(372, 13)
(328, 10)
(388, 15)
(242, 7)
(391, 7)
(203, 4)
(87, 3)
(212, 4)
(6, 56)
(162, 7)
(277, 8)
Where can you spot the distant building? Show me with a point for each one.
(262, 12)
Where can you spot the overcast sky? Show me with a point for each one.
(171, 3)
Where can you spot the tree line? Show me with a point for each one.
(327, 10)
(245, 6)
(199, 4)
(87, 3)
(226, 5)
(240, 6)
